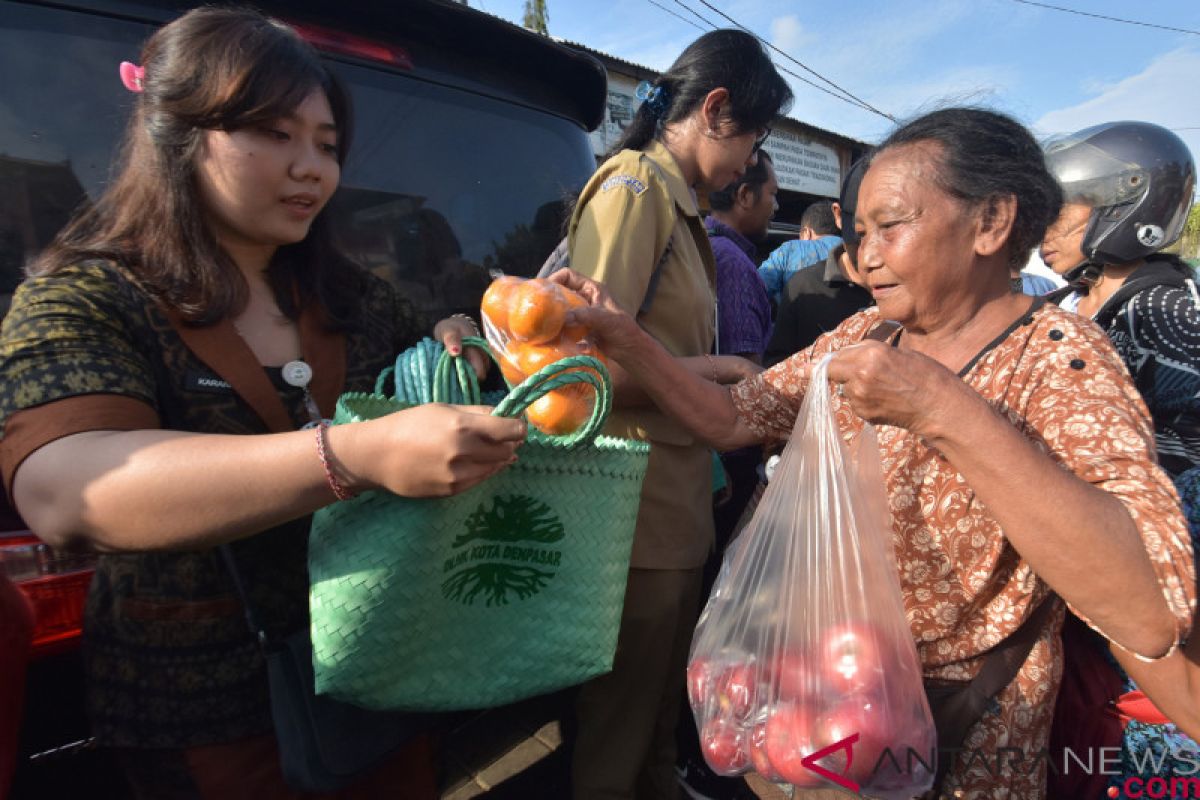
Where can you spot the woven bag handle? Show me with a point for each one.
(426, 373)
(574, 369)
(423, 374)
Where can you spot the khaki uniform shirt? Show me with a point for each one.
(635, 203)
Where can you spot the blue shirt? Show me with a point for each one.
(743, 311)
(791, 257)
(1036, 284)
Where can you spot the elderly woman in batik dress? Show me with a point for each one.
(1017, 455)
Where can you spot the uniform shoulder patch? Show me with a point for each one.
(631, 183)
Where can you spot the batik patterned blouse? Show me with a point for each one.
(1057, 379)
(170, 660)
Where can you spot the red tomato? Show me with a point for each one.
(737, 688)
(850, 656)
(861, 714)
(798, 679)
(699, 682)
(758, 753)
(724, 746)
(789, 738)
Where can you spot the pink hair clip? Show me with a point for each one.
(133, 76)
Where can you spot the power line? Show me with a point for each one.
(1101, 16)
(695, 13)
(714, 26)
(803, 66)
(673, 14)
(854, 102)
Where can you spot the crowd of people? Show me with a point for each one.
(1038, 451)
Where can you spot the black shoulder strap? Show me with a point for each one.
(1056, 296)
(957, 707)
(883, 331)
(1003, 661)
(260, 633)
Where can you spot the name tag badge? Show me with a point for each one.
(196, 381)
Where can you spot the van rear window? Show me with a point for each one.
(442, 186)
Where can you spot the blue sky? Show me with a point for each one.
(1054, 71)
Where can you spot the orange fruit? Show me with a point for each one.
(576, 332)
(574, 299)
(496, 300)
(585, 347)
(510, 372)
(536, 311)
(529, 358)
(559, 412)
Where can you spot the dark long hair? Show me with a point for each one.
(211, 69)
(754, 178)
(985, 155)
(733, 59)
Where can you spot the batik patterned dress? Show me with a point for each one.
(1058, 380)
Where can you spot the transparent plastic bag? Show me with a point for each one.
(524, 323)
(803, 666)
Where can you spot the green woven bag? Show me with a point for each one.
(509, 590)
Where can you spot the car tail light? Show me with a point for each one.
(56, 584)
(347, 44)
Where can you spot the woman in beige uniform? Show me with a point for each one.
(637, 230)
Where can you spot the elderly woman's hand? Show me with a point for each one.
(886, 385)
(615, 330)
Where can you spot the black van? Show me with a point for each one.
(468, 134)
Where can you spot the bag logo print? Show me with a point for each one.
(809, 762)
(503, 551)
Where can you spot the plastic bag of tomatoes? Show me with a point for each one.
(524, 322)
(803, 667)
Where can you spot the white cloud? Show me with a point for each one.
(789, 35)
(904, 99)
(884, 58)
(1156, 94)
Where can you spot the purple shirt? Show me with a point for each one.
(743, 310)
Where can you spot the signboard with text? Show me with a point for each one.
(804, 165)
(617, 114)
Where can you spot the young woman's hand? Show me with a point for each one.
(451, 331)
(432, 450)
(616, 330)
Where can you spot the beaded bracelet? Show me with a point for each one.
(339, 491)
(474, 325)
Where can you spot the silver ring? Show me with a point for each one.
(842, 389)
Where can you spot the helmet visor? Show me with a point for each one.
(1092, 176)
